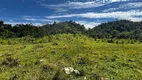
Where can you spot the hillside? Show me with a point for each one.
(69, 56)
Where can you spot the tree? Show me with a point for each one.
(1, 23)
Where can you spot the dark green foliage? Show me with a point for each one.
(97, 76)
(13, 77)
(46, 68)
(110, 41)
(82, 61)
(1, 23)
(55, 43)
(10, 62)
(22, 30)
(122, 29)
(59, 76)
(63, 27)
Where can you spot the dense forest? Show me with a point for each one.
(121, 29)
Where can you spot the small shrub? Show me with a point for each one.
(122, 42)
(81, 73)
(82, 61)
(14, 77)
(3, 41)
(9, 42)
(132, 42)
(117, 42)
(125, 64)
(59, 76)
(110, 41)
(46, 68)
(55, 43)
(97, 76)
(140, 41)
(29, 39)
(113, 59)
(10, 62)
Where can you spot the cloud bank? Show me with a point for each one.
(129, 15)
(78, 4)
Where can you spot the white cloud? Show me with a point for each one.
(88, 24)
(78, 4)
(60, 10)
(37, 24)
(62, 7)
(30, 19)
(41, 20)
(118, 0)
(126, 6)
(131, 5)
(135, 19)
(110, 9)
(118, 15)
(14, 23)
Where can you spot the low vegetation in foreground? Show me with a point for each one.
(70, 57)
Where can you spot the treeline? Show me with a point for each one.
(122, 29)
(21, 30)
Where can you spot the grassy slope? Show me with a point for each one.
(45, 58)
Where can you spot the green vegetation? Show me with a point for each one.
(22, 30)
(30, 58)
(122, 29)
(68, 51)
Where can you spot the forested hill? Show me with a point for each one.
(122, 29)
(21, 30)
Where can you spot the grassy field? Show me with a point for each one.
(45, 58)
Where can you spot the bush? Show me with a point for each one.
(117, 42)
(82, 61)
(46, 68)
(59, 76)
(110, 41)
(10, 62)
(55, 43)
(28, 39)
